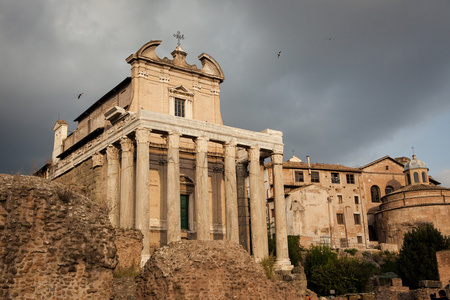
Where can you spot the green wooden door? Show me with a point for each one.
(184, 211)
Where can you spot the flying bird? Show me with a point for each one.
(279, 54)
(79, 95)
(329, 38)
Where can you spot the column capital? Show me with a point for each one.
(112, 153)
(97, 160)
(230, 148)
(126, 144)
(254, 153)
(231, 143)
(277, 157)
(143, 135)
(173, 139)
(201, 144)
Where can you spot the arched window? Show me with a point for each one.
(409, 179)
(416, 177)
(424, 177)
(388, 189)
(375, 192)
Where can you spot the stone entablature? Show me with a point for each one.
(268, 140)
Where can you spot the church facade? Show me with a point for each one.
(155, 153)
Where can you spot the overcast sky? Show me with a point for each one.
(356, 80)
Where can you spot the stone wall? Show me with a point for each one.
(54, 243)
(129, 247)
(443, 261)
(91, 180)
(208, 270)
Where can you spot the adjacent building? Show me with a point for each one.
(365, 207)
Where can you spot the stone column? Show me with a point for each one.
(143, 189)
(173, 188)
(112, 184)
(265, 236)
(231, 205)
(243, 211)
(282, 262)
(201, 189)
(256, 219)
(126, 184)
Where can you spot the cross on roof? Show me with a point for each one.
(179, 36)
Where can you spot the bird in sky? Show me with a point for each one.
(79, 95)
(329, 38)
(279, 54)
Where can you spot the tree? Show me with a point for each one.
(417, 257)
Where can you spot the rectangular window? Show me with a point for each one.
(359, 239)
(357, 219)
(340, 199)
(356, 200)
(343, 242)
(179, 107)
(335, 178)
(340, 218)
(350, 179)
(299, 176)
(315, 176)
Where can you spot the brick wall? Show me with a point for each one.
(443, 261)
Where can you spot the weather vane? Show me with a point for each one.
(178, 36)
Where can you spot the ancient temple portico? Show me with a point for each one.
(166, 163)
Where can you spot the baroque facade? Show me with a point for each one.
(155, 153)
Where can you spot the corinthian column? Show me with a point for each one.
(126, 184)
(231, 205)
(201, 189)
(173, 188)
(112, 184)
(282, 262)
(143, 189)
(256, 217)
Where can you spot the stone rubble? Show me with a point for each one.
(54, 242)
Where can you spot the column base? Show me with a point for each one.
(144, 259)
(283, 265)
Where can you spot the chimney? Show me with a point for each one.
(309, 164)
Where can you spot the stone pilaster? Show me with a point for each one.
(112, 184)
(173, 188)
(231, 205)
(97, 164)
(126, 184)
(201, 189)
(256, 217)
(282, 262)
(143, 189)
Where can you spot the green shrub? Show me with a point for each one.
(417, 257)
(267, 263)
(351, 251)
(325, 272)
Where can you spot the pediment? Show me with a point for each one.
(181, 90)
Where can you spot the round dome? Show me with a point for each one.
(415, 164)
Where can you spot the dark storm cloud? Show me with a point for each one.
(352, 74)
